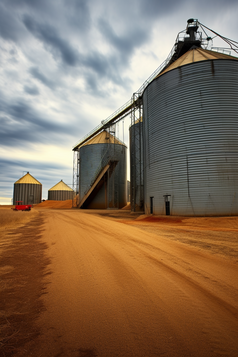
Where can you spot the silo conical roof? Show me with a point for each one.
(196, 55)
(61, 186)
(28, 178)
(104, 138)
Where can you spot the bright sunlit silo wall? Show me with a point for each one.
(190, 121)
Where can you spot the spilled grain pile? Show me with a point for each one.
(127, 207)
(55, 204)
(229, 223)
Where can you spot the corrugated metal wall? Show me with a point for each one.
(136, 166)
(27, 193)
(191, 140)
(60, 195)
(111, 192)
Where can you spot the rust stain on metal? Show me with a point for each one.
(212, 68)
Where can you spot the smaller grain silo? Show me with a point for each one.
(102, 172)
(60, 192)
(27, 190)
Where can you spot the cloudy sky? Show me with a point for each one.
(66, 65)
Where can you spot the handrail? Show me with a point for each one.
(124, 108)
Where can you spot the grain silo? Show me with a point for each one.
(102, 172)
(60, 192)
(190, 129)
(28, 190)
(136, 166)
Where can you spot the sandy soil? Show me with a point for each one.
(110, 283)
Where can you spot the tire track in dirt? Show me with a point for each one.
(183, 268)
(23, 266)
(139, 294)
(196, 296)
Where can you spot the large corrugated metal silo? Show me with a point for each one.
(136, 166)
(28, 190)
(102, 172)
(60, 192)
(190, 128)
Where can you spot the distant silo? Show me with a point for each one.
(60, 192)
(190, 130)
(136, 166)
(28, 190)
(102, 172)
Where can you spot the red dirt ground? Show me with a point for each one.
(83, 283)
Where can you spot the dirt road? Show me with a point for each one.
(117, 290)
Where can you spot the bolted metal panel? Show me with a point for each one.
(111, 191)
(190, 128)
(60, 195)
(136, 163)
(27, 193)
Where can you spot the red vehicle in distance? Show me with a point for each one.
(20, 207)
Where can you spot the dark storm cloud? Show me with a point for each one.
(126, 43)
(10, 165)
(22, 4)
(156, 9)
(102, 65)
(36, 73)
(10, 27)
(32, 90)
(20, 124)
(78, 14)
(52, 40)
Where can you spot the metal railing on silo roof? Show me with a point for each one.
(118, 114)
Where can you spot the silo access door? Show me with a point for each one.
(167, 204)
(151, 205)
